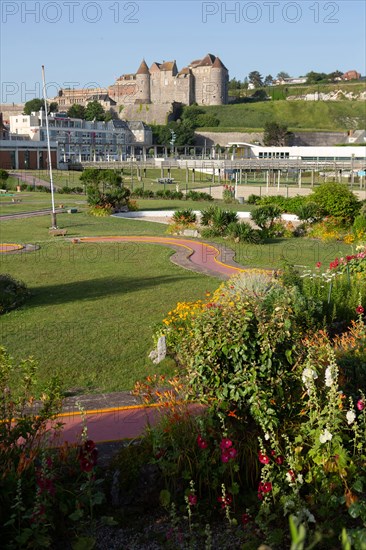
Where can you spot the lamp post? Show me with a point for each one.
(53, 215)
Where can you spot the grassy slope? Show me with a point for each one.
(298, 115)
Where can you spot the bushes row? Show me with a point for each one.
(169, 194)
(329, 199)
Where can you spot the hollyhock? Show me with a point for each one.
(202, 443)
(263, 458)
(360, 310)
(279, 460)
(192, 500)
(225, 443)
(360, 404)
(226, 500)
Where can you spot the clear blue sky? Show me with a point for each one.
(80, 42)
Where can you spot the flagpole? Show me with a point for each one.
(54, 223)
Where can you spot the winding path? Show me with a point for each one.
(193, 255)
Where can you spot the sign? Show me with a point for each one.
(361, 173)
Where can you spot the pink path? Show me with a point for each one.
(201, 255)
(110, 425)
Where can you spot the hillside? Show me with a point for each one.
(297, 115)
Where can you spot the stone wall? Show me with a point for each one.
(301, 138)
(148, 113)
(11, 109)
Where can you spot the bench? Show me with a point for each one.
(57, 232)
(166, 180)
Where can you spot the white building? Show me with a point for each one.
(82, 140)
(305, 153)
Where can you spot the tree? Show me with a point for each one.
(276, 134)
(3, 175)
(76, 111)
(36, 105)
(313, 77)
(268, 81)
(94, 111)
(33, 106)
(255, 78)
(282, 75)
(335, 75)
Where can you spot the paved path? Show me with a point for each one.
(19, 215)
(195, 255)
(30, 179)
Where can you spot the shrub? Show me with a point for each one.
(359, 227)
(329, 229)
(309, 212)
(217, 219)
(184, 217)
(254, 199)
(265, 216)
(198, 196)
(13, 293)
(335, 199)
(243, 232)
(100, 211)
(4, 175)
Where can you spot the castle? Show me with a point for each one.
(204, 81)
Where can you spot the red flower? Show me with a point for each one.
(263, 458)
(226, 500)
(318, 264)
(226, 443)
(86, 465)
(279, 459)
(264, 487)
(273, 452)
(89, 445)
(192, 500)
(360, 404)
(360, 310)
(202, 443)
(245, 519)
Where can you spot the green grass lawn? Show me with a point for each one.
(297, 115)
(93, 309)
(36, 200)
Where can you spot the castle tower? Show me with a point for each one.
(143, 84)
(219, 83)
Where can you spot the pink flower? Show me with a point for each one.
(202, 443)
(263, 458)
(225, 457)
(225, 443)
(192, 500)
(318, 264)
(279, 460)
(360, 404)
(232, 453)
(360, 310)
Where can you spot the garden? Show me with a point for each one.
(275, 358)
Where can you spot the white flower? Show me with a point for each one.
(266, 436)
(308, 374)
(325, 436)
(299, 478)
(290, 477)
(350, 417)
(329, 380)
